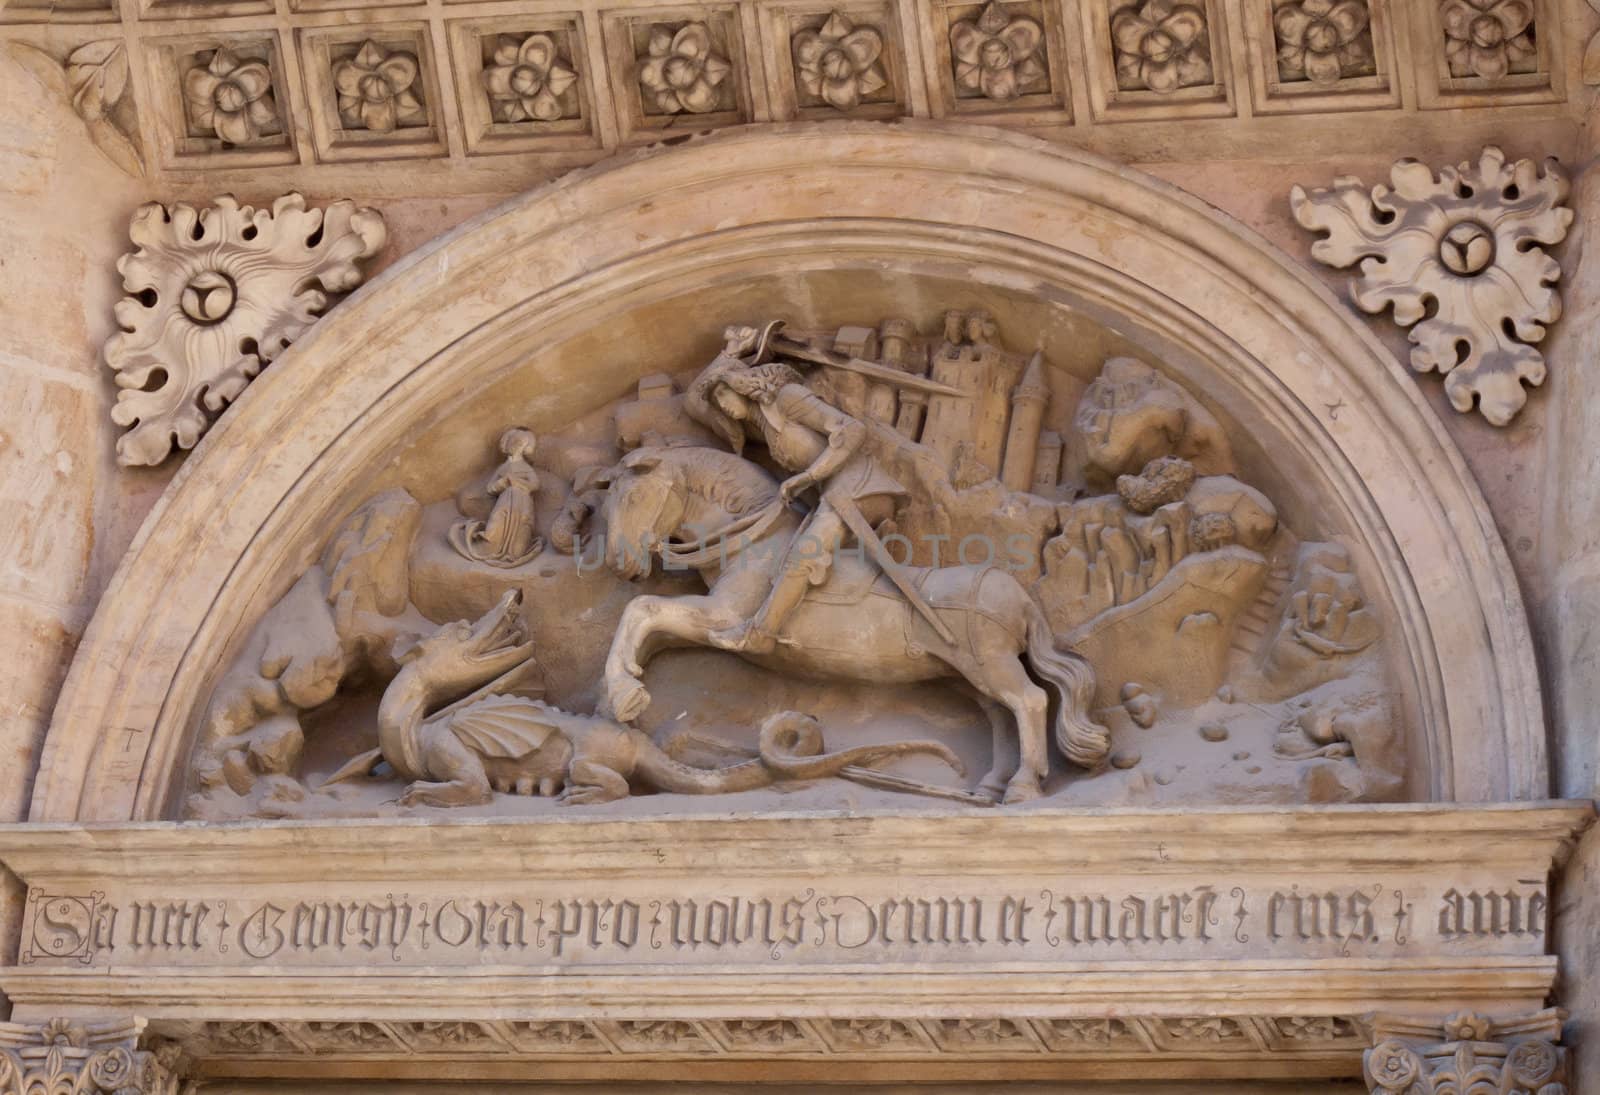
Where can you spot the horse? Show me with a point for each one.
(854, 624)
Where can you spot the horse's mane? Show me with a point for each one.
(723, 479)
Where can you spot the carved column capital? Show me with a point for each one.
(1467, 1053)
(85, 1058)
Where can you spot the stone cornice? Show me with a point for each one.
(1352, 839)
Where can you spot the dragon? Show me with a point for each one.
(493, 740)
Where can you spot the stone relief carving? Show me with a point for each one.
(1468, 1053)
(1591, 53)
(231, 97)
(215, 294)
(507, 536)
(998, 55)
(94, 78)
(1161, 45)
(528, 81)
(1488, 39)
(377, 89)
(69, 1056)
(1323, 41)
(839, 63)
(1460, 258)
(680, 71)
(813, 513)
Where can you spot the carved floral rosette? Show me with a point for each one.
(1472, 1054)
(214, 295)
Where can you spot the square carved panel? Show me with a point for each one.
(222, 100)
(373, 92)
(999, 57)
(1156, 59)
(678, 68)
(526, 83)
(1308, 56)
(1469, 54)
(834, 60)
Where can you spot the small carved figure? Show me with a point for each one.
(506, 539)
(492, 741)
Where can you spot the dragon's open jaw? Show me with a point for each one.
(498, 640)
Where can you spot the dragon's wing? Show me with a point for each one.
(504, 727)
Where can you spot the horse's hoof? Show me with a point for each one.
(1022, 789)
(628, 700)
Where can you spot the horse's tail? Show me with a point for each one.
(1084, 741)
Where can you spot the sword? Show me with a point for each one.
(886, 562)
(788, 347)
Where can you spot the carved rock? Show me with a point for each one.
(214, 295)
(1467, 242)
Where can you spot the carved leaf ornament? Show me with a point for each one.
(215, 294)
(1459, 258)
(94, 78)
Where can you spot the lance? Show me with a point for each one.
(789, 347)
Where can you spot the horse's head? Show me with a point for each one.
(644, 505)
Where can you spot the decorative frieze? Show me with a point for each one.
(1460, 258)
(562, 81)
(69, 1057)
(214, 295)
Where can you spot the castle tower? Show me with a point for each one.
(1027, 414)
(1047, 465)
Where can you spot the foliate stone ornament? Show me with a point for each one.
(1468, 241)
(66, 1057)
(1468, 1053)
(1323, 41)
(213, 295)
(839, 62)
(997, 54)
(376, 89)
(527, 80)
(1161, 46)
(94, 78)
(232, 98)
(1488, 38)
(681, 72)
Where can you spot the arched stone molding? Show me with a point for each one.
(1241, 321)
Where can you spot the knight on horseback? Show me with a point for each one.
(744, 399)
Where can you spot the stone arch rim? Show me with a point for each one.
(871, 148)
